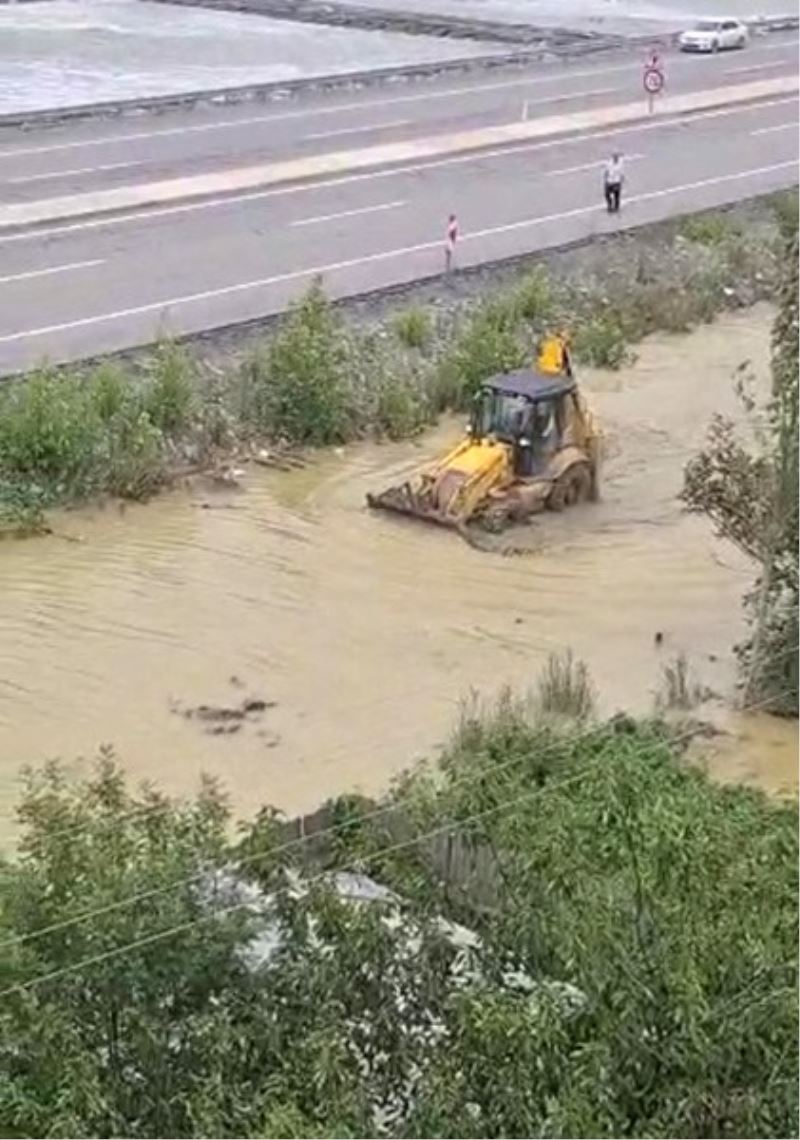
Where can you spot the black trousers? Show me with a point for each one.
(613, 192)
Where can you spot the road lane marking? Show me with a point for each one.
(588, 166)
(779, 127)
(646, 197)
(69, 173)
(29, 273)
(777, 46)
(565, 98)
(345, 108)
(756, 67)
(359, 130)
(347, 214)
(371, 258)
(391, 172)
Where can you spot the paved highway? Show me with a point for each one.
(75, 288)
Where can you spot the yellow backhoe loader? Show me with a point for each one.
(532, 444)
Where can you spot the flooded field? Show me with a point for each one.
(65, 53)
(366, 631)
(618, 17)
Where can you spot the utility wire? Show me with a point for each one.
(298, 841)
(402, 845)
(160, 935)
(288, 845)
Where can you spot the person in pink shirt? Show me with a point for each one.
(450, 242)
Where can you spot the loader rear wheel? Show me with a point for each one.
(571, 487)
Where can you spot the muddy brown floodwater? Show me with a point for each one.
(366, 630)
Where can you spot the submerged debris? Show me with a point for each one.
(280, 460)
(224, 720)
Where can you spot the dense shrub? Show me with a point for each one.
(414, 327)
(751, 497)
(612, 991)
(299, 381)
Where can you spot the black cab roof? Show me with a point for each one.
(531, 384)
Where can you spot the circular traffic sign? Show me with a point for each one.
(653, 80)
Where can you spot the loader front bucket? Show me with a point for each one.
(404, 500)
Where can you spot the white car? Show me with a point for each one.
(714, 35)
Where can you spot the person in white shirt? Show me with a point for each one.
(613, 178)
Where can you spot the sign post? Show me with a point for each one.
(653, 84)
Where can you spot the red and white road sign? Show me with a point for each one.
(653, 80)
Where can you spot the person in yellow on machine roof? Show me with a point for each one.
(553, 355)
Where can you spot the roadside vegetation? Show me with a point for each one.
(321, 378)
(632, 967)
(750, 492)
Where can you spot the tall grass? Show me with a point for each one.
(413, 327)
(680, 690)
(564, 688)
(709, 229)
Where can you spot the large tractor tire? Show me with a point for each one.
(571, 487)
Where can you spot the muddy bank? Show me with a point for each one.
(360, 633)
(752, 749)
(584, 265)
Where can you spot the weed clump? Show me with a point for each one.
(708, 229)
(299, 380)
(413, 327)
(602, 342)
(564, 688)
(680, 691)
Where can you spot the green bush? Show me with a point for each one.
(636, 971)
(134, 460)
(299, 381)
(22, 510)
(68, 435)
(169, 391)
(490, 342)
(601, 342)
(785, 205)
(111, 392)
(413, 327)
(533, 296)
(402, 408)
(748, 488)
(50, 433)
(390, 390)
(708, 229)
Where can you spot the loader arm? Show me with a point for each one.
(465, 478)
